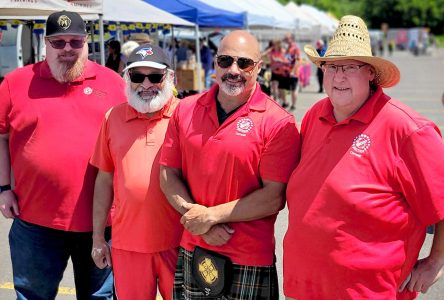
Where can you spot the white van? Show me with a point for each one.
(18, 48)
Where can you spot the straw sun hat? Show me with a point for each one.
(352, 41)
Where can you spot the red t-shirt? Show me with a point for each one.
(360, 200)
(128, 145)
(52, 130)
(222, 163)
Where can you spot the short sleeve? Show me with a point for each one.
(101, 157)
(5, 106)
(171, 154)
(420, 172)
(281, 153)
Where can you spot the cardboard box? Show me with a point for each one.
(188, 80)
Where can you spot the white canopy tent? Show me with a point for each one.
(328, 25)
(307, 28)
(46, 7)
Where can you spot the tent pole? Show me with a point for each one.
(93, 44)
(199, 64)
(173, 48)
(102, 41)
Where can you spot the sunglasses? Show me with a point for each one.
(60, 44)
(153, 78)
(244, 63)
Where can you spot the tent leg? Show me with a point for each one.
(199, 63)
(102, 41)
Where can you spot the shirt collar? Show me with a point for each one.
(166, 112)
(88, 72)
(257, 100)
(365, 113)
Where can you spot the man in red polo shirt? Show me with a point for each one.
(369, 182)
(146, 229)
(225, 161)
(50, 115)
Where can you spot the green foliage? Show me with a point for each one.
(396, 13)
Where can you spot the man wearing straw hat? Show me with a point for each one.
(369, 182)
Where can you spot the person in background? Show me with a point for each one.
(293, 55)
(50, 115)
(127, 49)
(376, 170)
(279, 71)
(206, 57)
(225, 162)
(114, 60)
(146, 229)
(320, 49)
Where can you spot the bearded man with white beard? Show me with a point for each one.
(146, 229)
(50, 114)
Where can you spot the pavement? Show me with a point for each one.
(421, 87)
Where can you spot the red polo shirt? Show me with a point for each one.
(360, 200)
(222, 163)
(128, 145)
(52, 130)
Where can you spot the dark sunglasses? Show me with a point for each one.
(60, 44)
(153, 78)
(244, 63)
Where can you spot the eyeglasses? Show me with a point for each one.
(60, 44)
(346, 69)
(153, 78)
(244, 63)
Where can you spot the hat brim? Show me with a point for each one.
(387, 73)
(150, 64)
(66, 33)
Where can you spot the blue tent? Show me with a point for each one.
(200, 13)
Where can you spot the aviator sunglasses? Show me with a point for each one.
(244, 63)
(60, 44)
(153, 78)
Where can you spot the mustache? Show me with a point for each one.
(232, 77)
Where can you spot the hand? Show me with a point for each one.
(425, 273)
(8, 204)
(218, 235)
(197, 220)
(100, 253)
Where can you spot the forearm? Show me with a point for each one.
(437, 251)
(259, 204)
(5, 162)
(103, 199)
(174, 188)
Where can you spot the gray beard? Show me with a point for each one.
(232, 90)
(153, 104)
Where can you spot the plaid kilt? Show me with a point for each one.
(248, 282)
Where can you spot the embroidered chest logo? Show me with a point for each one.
(144, 52)
(360, 145)
(87, 90)
(244, 126)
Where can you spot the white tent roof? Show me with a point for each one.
(46, 7)
(328, 25)
(138, 11)
(304, 21)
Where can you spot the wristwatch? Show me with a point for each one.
(5, 188)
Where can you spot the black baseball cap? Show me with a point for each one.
(148, 55)
(65, 23)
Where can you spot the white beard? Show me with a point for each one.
(153, 103)
(232, 89)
